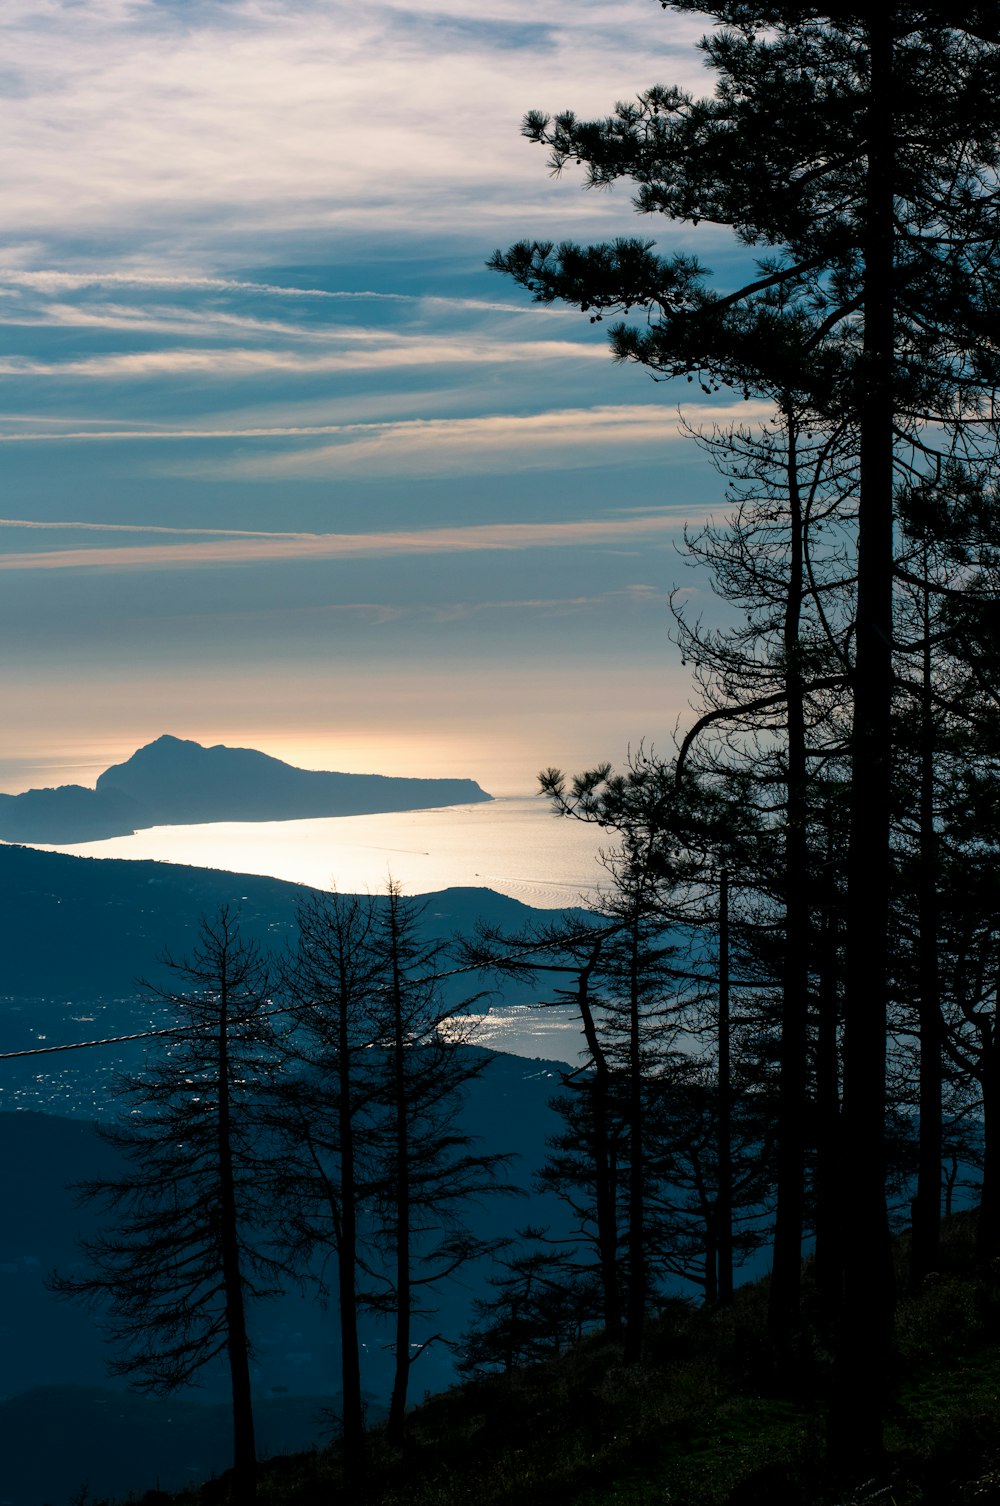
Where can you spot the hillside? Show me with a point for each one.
(76, 935)
(173, 782)
(87, 927)
(53, 1380)
(710, 1418)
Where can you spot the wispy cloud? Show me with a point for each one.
(173, 321)
(544, 606)
(504, 442)
(75, 526)
(437, 612)
(373, 351)
(235, 117)
(55, 281)
(250, 548)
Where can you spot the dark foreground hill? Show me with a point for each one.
(173, 782)
(710, 1418)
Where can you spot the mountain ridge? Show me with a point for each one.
(84, 927)
(174, 781)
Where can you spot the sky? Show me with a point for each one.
(284, 465)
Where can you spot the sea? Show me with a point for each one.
(513, 844)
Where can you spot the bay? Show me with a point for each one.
(513, 844)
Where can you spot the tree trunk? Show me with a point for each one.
(988, 1223)
(347, 1250)
(829, 1236)
(237, 1346)
(397, 1405)
(713, 1285)
(862, 1361)
(951, 1177)
(722, 1241)
(636, 1304)
(786, 1270)
(604, 1180)
(925, 1237)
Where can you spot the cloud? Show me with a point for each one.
(544, 606)
(569, 438)
(436, 612)
(48, 525)
(176, 320)
(502, 443)
(505, 442)
(56, 281)
(255, 549)
(233, 119)
(221, 181)
(53, 280)
(373, 351)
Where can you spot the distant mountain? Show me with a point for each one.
(69, 813)
(174, 782)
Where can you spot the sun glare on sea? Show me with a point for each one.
(513, 845)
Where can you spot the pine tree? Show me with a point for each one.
(540, 1306)
(855, 151)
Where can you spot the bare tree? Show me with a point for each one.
(183, 1251)
(320, 1107)
(426, 1168)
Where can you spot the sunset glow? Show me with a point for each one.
(285, 466)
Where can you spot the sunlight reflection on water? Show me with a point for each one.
(513, 845)
(552, 1034)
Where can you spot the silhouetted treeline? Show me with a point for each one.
(853, 151)
(299, 1119)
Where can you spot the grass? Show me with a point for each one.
(710, 1418)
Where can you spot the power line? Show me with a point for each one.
(117, 1040)
(108, 1040)
(147, 1035)
(525, 947)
